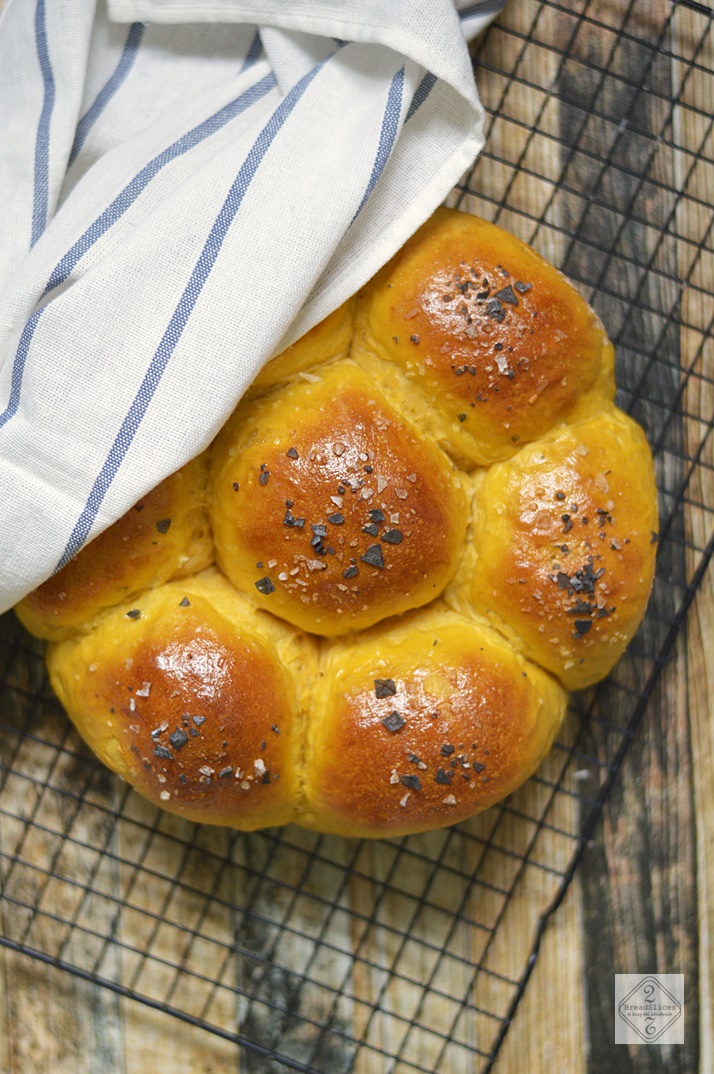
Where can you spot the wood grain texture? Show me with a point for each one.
(695, 217)
(379, 957)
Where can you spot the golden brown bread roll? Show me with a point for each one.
(192, 696)
(165, 535)
(422, 724)
(497, 343)
(344, 506)
(430, 520)
(562, 545)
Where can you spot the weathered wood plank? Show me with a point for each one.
(177, 889)
(695, 216)
(50, 841)
(639, 879)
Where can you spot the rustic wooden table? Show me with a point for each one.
(600, 152)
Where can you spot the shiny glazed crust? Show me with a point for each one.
(430, 520)
(350, 513)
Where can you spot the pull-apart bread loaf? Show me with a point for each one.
(362, 608)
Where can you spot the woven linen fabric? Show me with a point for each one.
(187, 186)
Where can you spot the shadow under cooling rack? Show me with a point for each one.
(328, 955)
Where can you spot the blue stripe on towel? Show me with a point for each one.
(422, 92)
(387, 136)
(254, 52)
(41, 191)
(482, 10)
(115, 211)
(126, 62)
(181, 315)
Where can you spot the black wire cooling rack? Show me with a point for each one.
(326, 955)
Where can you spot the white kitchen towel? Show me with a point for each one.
(186, 186)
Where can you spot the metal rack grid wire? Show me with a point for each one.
(326, 955)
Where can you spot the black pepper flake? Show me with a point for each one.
(373, 556)
(446, 750)
(336, 519)
(317, 544)
(264, 476)
(225, 773)
(236, 486)
(182, 777)
(185, 603)
(163, 525)
(376, 515)
(266, 776)
(384, 688)
(164, 753)
(135, 613)
(477, 766)
(393, 536)
(522, 287)
(198, 720)
(560, 495)
(319, 530)
(506, 295)
(138, 507)
(442, 776)
(461, 417)
(414, 339)
(567, 523)
(290, 519)
(292, 453)
(265, 586)
(412, 782)
(563, 580)
(495, 309)
(582, 626)
(351, 572)
(394, 721)
(193, 732)
(371, 529)
(274, 727)
(178, 738)
(581, 607)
